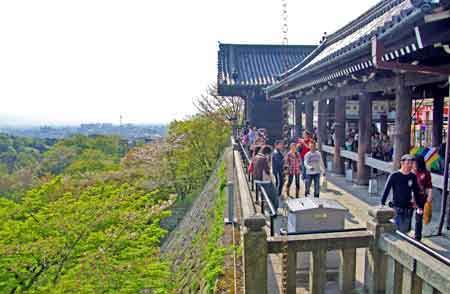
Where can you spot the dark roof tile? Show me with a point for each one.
(257, 65)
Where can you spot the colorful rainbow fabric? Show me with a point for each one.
(431, 156)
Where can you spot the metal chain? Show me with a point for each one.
(286, 136)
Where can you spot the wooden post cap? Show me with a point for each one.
(382, 214)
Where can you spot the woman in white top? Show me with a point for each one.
(314, 167)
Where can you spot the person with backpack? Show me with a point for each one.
(314, 167)
(426, 189)
(403, 184)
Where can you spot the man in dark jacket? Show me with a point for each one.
(403, 184)
(277, 165)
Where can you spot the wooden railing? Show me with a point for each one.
(392, 264)
(387, 167)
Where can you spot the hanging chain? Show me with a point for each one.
(286, 136)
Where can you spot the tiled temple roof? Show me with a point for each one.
(246, 66)
(349, 49)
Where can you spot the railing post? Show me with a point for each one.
(230, 189)
(347, 270)
(411, 283)
(317, 274)
(255, 255)
(291, 283)
(394, 276)
(376, 260)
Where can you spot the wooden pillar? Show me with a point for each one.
(322, 125)
(364, 137)
(249, 105)
(339, 136)
(309, 113)
(438, 120)
(402, 136)
(384, 123)
(298, 118)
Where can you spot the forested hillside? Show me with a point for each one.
(84, 215)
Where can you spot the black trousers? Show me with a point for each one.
(291, 179)
(279, 181)
(419, 226)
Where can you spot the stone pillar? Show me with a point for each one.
(402, 136)
(255, 255)
(376, 260)
(347, 270)
(309, 113)
(291, 284)
(298, 118)
(364, 137)
(339, 136)
(438, 120)
(411, 283)
(317, 272)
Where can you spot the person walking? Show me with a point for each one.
(403, 184)
(426, 191)
(314, 167)
(293, 162)
(303, 148)
(261, 170)
(278, 165)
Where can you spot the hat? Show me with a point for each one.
(407, 157)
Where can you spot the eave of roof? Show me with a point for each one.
(394, 15)
(256, 65)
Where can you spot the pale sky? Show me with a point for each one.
(92, 60)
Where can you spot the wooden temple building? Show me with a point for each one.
(246, 70)
(396, 51)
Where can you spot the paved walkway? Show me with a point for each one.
(358, 201)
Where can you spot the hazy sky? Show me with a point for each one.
(91, 60)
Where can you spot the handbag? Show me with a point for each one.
(427, 212)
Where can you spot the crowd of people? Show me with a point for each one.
(302, 162)
(381, 146)
(298, 163)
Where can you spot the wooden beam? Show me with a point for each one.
(378, 84)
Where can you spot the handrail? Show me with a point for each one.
(272, 211)
(269, 202)
(428, 250)
(247, 158)
(385, 166)
(328, 241)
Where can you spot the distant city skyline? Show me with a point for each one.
(70, 62)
